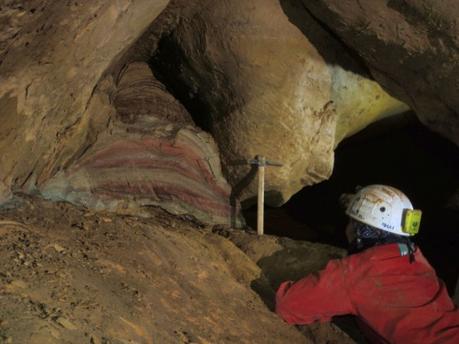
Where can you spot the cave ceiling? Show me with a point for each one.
(193, 86)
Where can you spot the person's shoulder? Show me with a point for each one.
(370, 256)
(386, 251)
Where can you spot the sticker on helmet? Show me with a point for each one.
(385, 225)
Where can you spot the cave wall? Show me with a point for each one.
(151, 154)
(52, 56)
(265, 79)
(286, 79)
(411, 48)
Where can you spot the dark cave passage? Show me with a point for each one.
(397, 151)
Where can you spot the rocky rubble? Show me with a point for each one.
(74, 276)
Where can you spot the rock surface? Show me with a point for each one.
(411, 48)
(275, 84)
(70, 276)
(272, 79)
(52, 56)
(284, 259)
(151, 155)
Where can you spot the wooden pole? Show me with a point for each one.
(261, 195)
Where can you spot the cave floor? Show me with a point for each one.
(69, 275)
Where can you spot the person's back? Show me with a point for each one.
(402, 301)
(396, 301)
(387, 283)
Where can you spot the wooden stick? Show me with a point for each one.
(261, 195)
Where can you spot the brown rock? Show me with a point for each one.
(411, 48)
(65, 323)
(58, 248)
(52, 56)
(152, 156)
(283, 259)
(193, 285)
(269, 90)
(95, 340)
(140, 97)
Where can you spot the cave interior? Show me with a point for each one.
(400, 152)
(189, 77)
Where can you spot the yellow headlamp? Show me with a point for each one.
(411, 221)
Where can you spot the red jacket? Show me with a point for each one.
(398, 301)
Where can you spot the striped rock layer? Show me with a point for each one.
(152, 155)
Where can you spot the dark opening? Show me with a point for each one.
(397, 151)
(164, 63)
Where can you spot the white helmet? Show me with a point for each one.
(385, 208)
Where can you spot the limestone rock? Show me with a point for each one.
(164, 281)
(141, 98)
(52, 56)
(152, 155)
(273, 86)
(411, 48)
(284, 259)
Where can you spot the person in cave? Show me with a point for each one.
(386, 282)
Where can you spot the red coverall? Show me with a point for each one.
(396, 302)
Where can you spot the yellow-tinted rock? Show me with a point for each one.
(359, 102)
(410, 47)
(271, 91)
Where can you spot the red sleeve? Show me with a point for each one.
(317, 297)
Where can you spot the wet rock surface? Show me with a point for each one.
(74, 276)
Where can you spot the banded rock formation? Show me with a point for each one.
(273, 80)
(152, 155)
(52, 56)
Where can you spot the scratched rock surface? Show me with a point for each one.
(152, 155)
(52, 56)
(411, 48)
(74, 276)
(274, 83)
